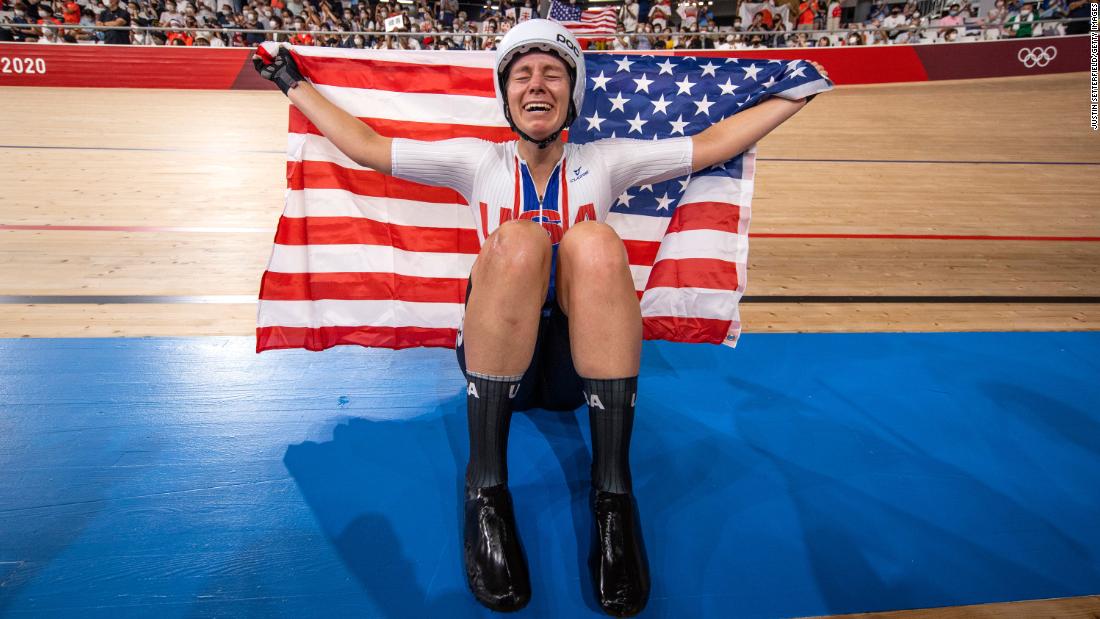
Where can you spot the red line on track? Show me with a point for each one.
(758, 235)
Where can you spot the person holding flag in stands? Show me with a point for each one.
(552, 317)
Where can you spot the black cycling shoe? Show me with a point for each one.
(496, 570)
(620, 571)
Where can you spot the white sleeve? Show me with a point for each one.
(444, 163)
(642, 162)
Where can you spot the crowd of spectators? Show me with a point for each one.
(687, 24)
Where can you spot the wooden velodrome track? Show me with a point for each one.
(125, 195)
(861, 160)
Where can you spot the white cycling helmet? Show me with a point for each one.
(548, 36)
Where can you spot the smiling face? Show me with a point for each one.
(538, 90)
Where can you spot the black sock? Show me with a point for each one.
(611, 418)
(488, 413)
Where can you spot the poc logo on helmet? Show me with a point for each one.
(566, 42)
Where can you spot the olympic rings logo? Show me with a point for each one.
(1037, 56)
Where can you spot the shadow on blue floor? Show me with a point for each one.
(798, 475)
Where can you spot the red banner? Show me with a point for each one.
(119, 66)
(122, 66)
(1027, 56)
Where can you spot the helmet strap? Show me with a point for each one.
(569, 118)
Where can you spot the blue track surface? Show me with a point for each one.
(797, 475)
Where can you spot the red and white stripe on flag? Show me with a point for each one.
(369, 259)
(595, 21)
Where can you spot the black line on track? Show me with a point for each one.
(243, 299)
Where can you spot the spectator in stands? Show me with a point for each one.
(628, 16)
(706, 17)
(1053, 9)
(446, 11)
(951, 20)
(645, 41)
(757, 24)
(693, 40)
(169, 13)
(894, 22)
(1022, 24)
(737, 26)
(87, 18)
(688, 13)
(142, 18)
(1078, 9)
(250, 23)
(905, 37)
(5, 20)
(711, 37)
(659, 14)
(48, 35)
(833, 20)
(950, 35)
(45, 16)
(217, 40)
(205, 15)
(114, 15)
(768, 15)
(878, 11)
(823, 41)
(224, 16)
(70, 12)
(779, 39)
(807, 12)
(621, 42)
(178, 37)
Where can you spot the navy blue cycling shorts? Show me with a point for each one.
(550, 382)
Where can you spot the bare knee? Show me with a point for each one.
(517, 249)
(592, 249)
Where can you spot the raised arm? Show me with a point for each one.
(724, 140)
(354, 138)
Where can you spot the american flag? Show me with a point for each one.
(589, 21)
(368, 259)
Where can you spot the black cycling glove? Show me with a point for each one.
(282, 70)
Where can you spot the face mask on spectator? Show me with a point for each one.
(953, 13)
